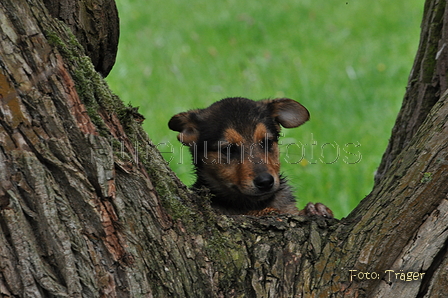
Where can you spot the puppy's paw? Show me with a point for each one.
(318, 209)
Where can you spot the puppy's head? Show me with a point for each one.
(235, 144)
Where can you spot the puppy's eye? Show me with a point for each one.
(234, 149)
(230, 150)
(267, 143)
(224, 149)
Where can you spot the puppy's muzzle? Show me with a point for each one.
(264, 182)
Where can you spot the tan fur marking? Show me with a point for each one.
(232, 136)
(274, 160)
(260, 133)
(245, 174)
(219, 168)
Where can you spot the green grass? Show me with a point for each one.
(346, 61)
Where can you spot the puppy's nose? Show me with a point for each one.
(264, 181)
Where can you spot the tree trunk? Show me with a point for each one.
(427, 82)
(88, 207)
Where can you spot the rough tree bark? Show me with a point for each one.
(427, 82)
(88, 208)
(95, 25)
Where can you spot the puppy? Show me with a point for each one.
(234, 144)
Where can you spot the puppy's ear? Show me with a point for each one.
(186, 124)
(287, 112)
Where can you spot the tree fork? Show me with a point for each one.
(88, 207)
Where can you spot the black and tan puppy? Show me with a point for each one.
(234, 144)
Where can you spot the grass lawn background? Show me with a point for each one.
(346, 61)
